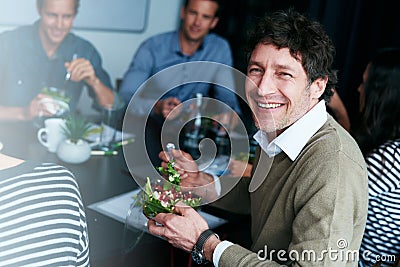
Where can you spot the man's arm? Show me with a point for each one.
(226, 76)
(225, 89)
(25, 113)
(13, 113)
(140, 69)
(105, 95)
(91, 72)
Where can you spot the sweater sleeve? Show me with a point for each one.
(330, 206)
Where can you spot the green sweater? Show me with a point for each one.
(313, 205)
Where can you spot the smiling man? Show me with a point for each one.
(308, 192)
(41, 55)
(274, 76)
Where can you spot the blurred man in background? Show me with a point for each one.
(47, 55)
(192, 42)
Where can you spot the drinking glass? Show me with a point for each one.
(110, 117)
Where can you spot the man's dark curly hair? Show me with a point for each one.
(306, 40)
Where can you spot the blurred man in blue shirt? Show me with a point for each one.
(192, 43)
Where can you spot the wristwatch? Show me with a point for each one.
(198, 249)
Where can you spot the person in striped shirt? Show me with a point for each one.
(379, 139)
(42, 219)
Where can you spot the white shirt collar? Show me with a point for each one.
(293, 139)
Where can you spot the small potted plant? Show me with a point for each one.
(74, 149)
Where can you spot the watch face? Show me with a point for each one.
(197, 256)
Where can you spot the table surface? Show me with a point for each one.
(100, 178)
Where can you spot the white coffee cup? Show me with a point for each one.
(53, 133)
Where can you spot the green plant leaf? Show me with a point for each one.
(55, 95)
(147, 189)
(76, 127)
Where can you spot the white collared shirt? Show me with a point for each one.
(294, 138)
(291, 142)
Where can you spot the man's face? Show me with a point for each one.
(57, 17)
(198, 18)
(277, 88)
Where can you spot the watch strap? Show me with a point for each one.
(198, 249)
(204, 236)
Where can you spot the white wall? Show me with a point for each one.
(117, 48)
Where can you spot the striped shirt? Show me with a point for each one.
(382, 234)
(42, 219)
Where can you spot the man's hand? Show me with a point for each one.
(41, 105)
(228, 119)
(183, 163)
(181, 229)
(199, 183)
(165, 107)
(239, 168)
(82, 69)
